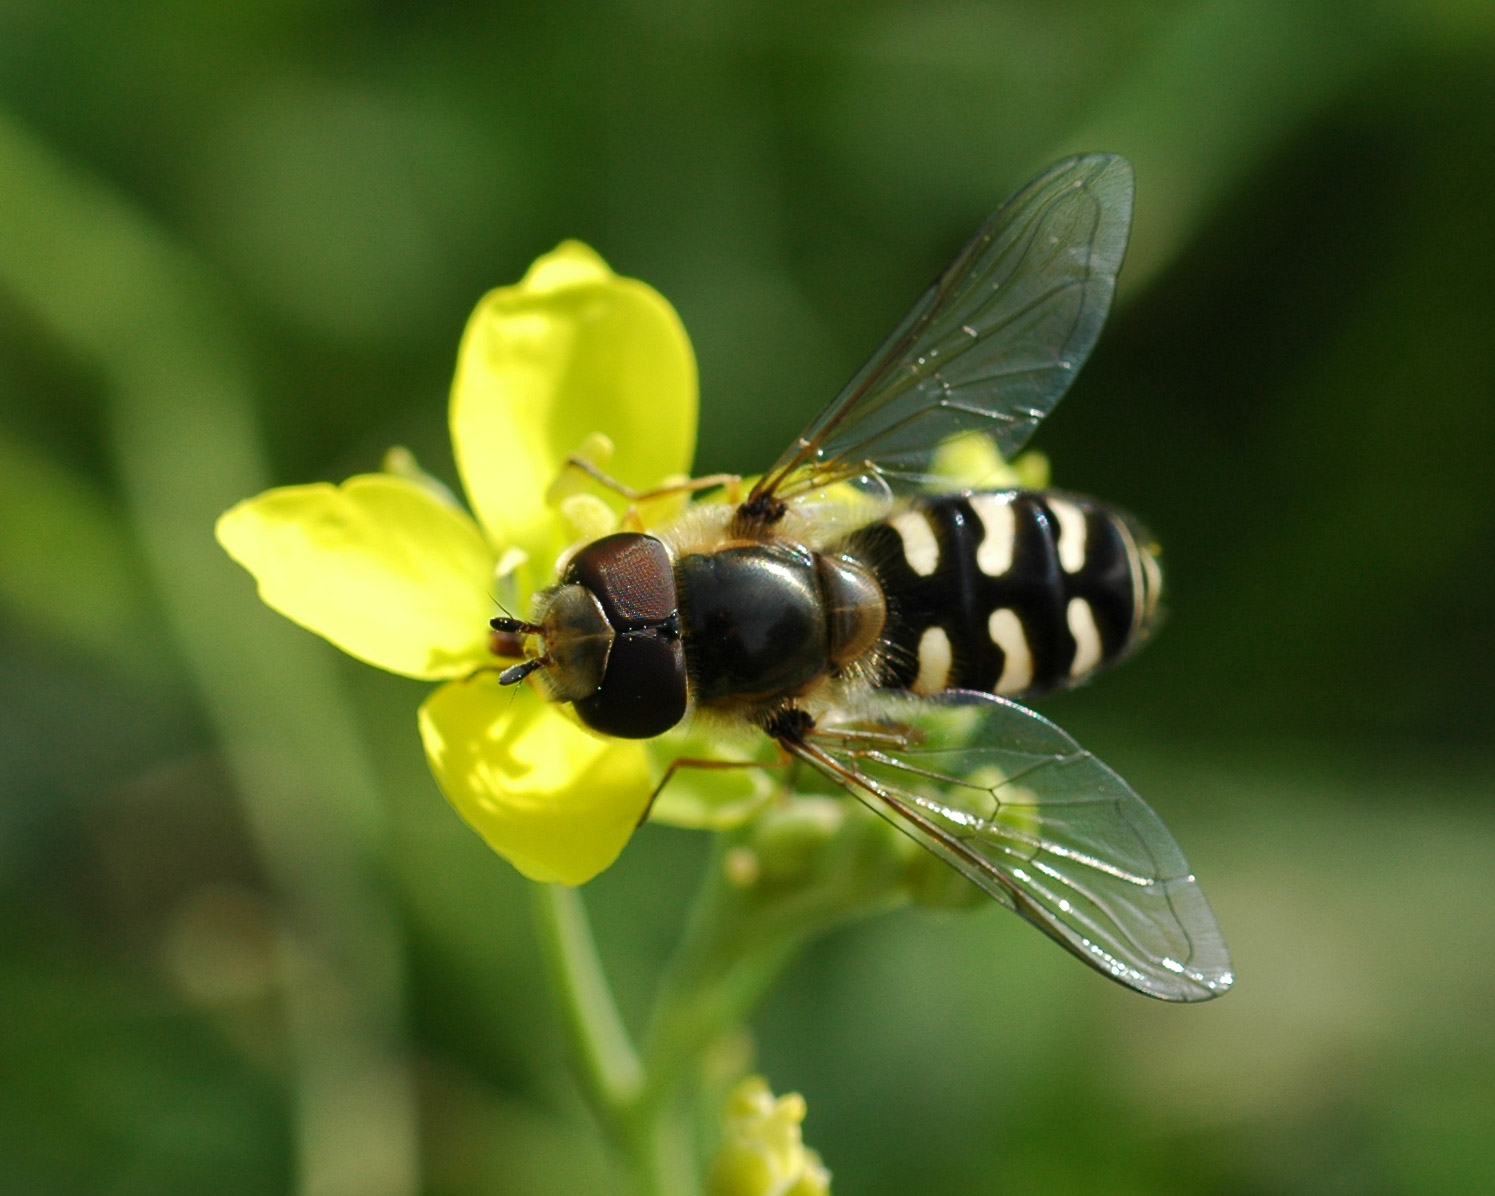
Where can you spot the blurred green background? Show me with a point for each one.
(245, 947)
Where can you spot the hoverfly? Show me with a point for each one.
(880, 630)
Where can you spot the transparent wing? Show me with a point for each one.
(1016, 805)
(991, 346)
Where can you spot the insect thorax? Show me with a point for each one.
(765, 621)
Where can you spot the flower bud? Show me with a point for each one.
(790, 836)
(987, 794)
(762, 1152)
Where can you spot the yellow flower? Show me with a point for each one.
(762, 1151)
(394, 572)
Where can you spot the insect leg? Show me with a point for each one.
(784, 761)
(731, 481)
(891, 737)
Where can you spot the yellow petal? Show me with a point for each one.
(556, 802)
(571, 351)
(378, 565)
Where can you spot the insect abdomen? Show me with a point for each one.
(1011, 592)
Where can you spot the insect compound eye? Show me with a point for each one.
(631, 575)
(643, 691)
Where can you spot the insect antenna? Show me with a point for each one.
(511, 626)
(517, 673)
(508, 636)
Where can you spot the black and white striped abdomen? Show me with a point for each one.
(1012, 592)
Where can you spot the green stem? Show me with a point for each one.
(735, 946)
(655, 1137)
(664, 1154)
(735, 943)
(608, 1065)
